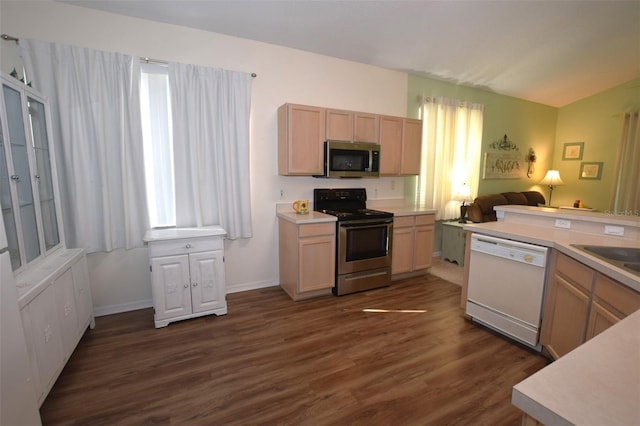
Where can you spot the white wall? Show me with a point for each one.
(120, 280)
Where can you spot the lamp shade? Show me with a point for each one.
(462, 193)
(552, 178)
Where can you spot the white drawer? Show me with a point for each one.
(184, 246)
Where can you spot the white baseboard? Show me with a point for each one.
(237, 288)
(100, 311)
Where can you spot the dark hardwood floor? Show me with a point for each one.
(412, 359)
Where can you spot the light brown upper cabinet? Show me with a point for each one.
(301, 135)
(391, 145)
(352, 126)
(411, 146)
(303, 129)
(401, 140)
(339, 125)
(366, 127)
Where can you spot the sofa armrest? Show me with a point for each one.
(474, 213)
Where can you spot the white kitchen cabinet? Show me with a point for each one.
(44, 339)
(54, 298)
(52, 282)
(187, 273)
(28, 183)
(66, 308)
(82, 292)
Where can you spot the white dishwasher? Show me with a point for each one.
(506, 286)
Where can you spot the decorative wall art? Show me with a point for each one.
(504, 144)
(503, 166)
(591, 170)
(531, 159)
(573, 151)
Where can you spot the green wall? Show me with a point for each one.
(597, 121)
(527, 124)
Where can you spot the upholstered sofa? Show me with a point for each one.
(481, 210)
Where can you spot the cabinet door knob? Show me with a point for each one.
(186, 286)
(188, 246)
(15, 177)
(195, 284)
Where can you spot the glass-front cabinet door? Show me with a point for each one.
(27, 175)
(8, 213)
(44, 178)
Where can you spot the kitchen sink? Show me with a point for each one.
(627, 258)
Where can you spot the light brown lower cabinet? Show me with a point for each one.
(612, 302)
(412, 244)
(580, 304)
(307, 258)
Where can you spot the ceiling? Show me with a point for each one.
(551, 52)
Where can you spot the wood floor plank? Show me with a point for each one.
(401, 355)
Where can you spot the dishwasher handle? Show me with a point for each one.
(512, 250)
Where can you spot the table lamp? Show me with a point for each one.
(462, 193)
(552, 178)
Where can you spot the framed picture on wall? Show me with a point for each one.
(591, 170)
(573, 151)
(503, 166)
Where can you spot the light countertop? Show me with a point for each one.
(581, 214)
(403, 210)
(311, 217)
(284, 211)
(160, 234)
(562, 240)
(597, 383)
(35, 279)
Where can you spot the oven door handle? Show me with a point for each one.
(366, 224)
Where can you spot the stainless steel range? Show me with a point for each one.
(364, 236)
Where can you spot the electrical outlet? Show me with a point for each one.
(281, 193)
(563, 223)
(618, 231)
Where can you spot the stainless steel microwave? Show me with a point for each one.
(351, 159)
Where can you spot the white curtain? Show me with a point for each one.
(95, 109)
(626, 194)
(452, 141)
(211, 147)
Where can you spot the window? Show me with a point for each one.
(452, 138)
(157, 131)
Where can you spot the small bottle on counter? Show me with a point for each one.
(576, 204)
(581, 205)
